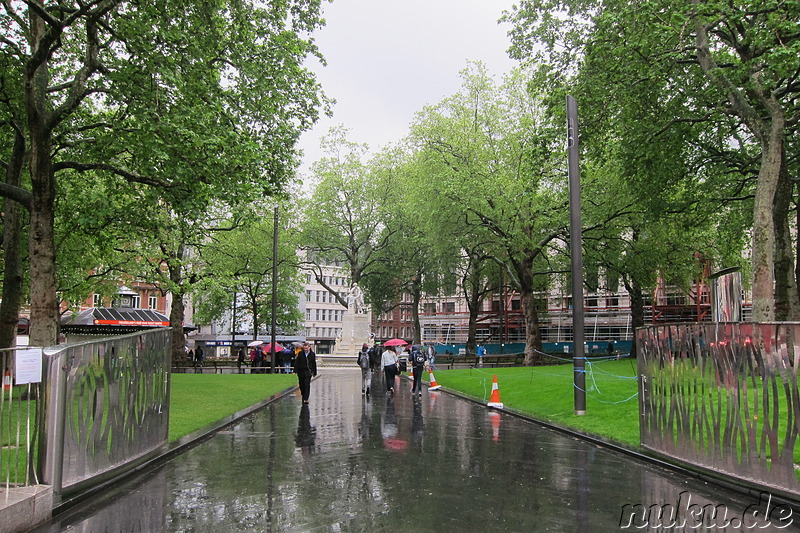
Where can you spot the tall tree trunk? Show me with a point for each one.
(637, 308)
(472, 336)
(177, 310)
(533, 337)
(12, 261)
(797, 248)
(766, 120)
(44, 306)
(416, 297)
(764, 226)
(787, 305)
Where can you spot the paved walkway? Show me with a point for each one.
(391, 463)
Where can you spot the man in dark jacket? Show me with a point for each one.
(375, 358)
(305, 366)
(417, 360)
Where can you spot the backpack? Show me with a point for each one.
(418, 358)
(363, 359)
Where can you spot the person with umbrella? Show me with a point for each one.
(286, 360)
(389, 360)
(305, 366)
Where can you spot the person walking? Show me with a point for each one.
(286, 360)
(389, 361)
(431, 356)
(198, 359)
(240, 360)
(366, 368)
(418, 366)
(305, 366)
(375, 358)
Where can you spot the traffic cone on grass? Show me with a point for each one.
(433, 385)
(7, 380)
(494, 399)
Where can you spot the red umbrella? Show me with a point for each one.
(267, 348)
(395, 342)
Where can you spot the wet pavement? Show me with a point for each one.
(402, 463)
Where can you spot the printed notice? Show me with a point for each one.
(29, 366)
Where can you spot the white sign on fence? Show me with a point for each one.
(29, 366)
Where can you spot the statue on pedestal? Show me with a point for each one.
(355, 300)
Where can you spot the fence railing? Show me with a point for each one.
(723, 397)
(18, 408)
(107, 407)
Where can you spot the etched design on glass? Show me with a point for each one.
(723, 396)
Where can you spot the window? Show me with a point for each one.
(128, 301)
(675, 299)
(429, 309)
(97, 301)
(516, 305)
(308, 296)
(449, 307)
(152, 302)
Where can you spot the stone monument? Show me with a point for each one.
(355, 325)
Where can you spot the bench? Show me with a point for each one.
(499, 360)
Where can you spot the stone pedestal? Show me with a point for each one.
(355, 332)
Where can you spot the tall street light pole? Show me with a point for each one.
(274, 282)
(576, 251)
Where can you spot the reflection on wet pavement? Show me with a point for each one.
(399, 463)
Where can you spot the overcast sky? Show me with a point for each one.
(389, 58)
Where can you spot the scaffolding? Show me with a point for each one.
(607, 316)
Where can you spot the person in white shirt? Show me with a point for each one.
(389, 360)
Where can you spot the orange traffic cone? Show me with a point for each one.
(433, 385)
(494, 399)
(7, 380)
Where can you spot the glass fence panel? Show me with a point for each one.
(724, 397)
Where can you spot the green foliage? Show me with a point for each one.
(238, 265)
(353, 218)
(185, 110)
(690, 101)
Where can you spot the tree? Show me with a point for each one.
(458, 258)
(353, 209)
(237, 275)
(194, 100)
(494, 157)
(715, 61)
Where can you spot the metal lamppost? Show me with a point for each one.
(576, 251)
(274, 283)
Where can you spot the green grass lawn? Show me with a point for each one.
(197, 400)
(547, 393)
